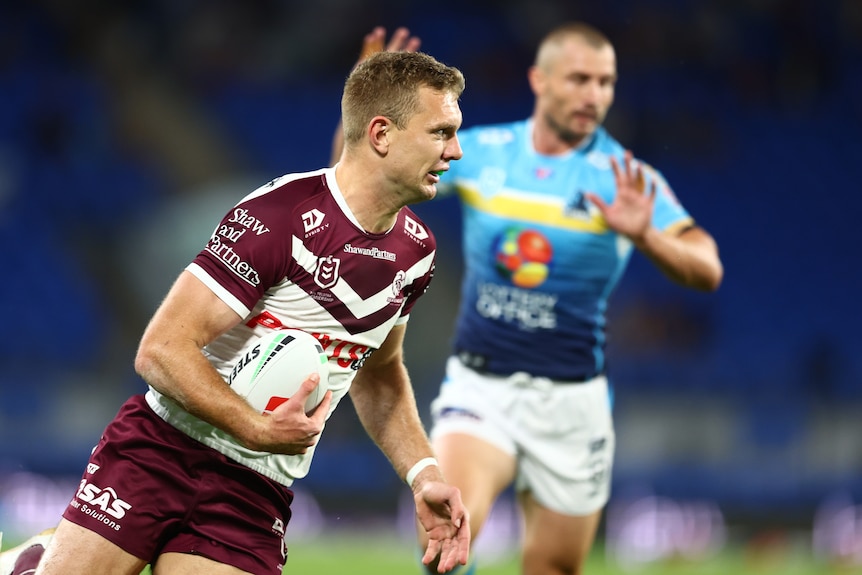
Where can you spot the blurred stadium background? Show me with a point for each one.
(128, 128)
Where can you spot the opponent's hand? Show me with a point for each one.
(401, 41)
(287, 428)
(630, 214)
(446, 521)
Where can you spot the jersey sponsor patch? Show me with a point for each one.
(312, 219)
(415, 229)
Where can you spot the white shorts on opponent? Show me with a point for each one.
(561, 433)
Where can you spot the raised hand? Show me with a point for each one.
(401, 41)
(630, 213)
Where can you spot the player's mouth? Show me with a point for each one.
(584, 115)
(435, 175)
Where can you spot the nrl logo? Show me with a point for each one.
(326, 273)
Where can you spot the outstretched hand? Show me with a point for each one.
(630, 214)
(446, 522)
(401, 41)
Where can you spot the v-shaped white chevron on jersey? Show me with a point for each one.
(358, 306)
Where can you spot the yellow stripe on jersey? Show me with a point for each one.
(677, 227)
(537, 210)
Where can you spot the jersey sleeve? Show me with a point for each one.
(247, 252)
(668, 212)
(417, 290)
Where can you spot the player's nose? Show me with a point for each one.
(453, 149)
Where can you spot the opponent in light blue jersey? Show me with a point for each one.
(540, 262)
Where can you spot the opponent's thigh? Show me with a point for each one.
(555, 544)
(188, 564)
(74, 550)
(479, 469)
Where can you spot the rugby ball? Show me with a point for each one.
(272, 368)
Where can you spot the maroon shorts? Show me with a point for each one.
(151, 489)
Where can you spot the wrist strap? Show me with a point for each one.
(417, 467)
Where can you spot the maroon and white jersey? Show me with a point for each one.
(292, 255)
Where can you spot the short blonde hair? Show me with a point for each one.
(387, 84)
(554, 38)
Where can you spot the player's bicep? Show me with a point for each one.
(190, 312)
(381, 383)
(669, 215)
(699, 237)
(390, 353)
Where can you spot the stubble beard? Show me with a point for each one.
(568, 135)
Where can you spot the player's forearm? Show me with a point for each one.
(690, 259)
(186, 377)
(390, 417)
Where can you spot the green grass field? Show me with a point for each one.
(357, 555)
(352, 554)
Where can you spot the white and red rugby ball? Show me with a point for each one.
(273, 367)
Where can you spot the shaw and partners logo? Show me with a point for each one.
(218, 247)
(243, 219)
(375, 252)
(227, 234)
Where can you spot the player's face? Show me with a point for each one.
(426, 145)
(575, 91)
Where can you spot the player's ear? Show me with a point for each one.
(536, 78)
(379, 130)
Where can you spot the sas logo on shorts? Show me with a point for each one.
(523, 256)
(95, 501)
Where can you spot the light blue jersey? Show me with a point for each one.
(540, 263)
